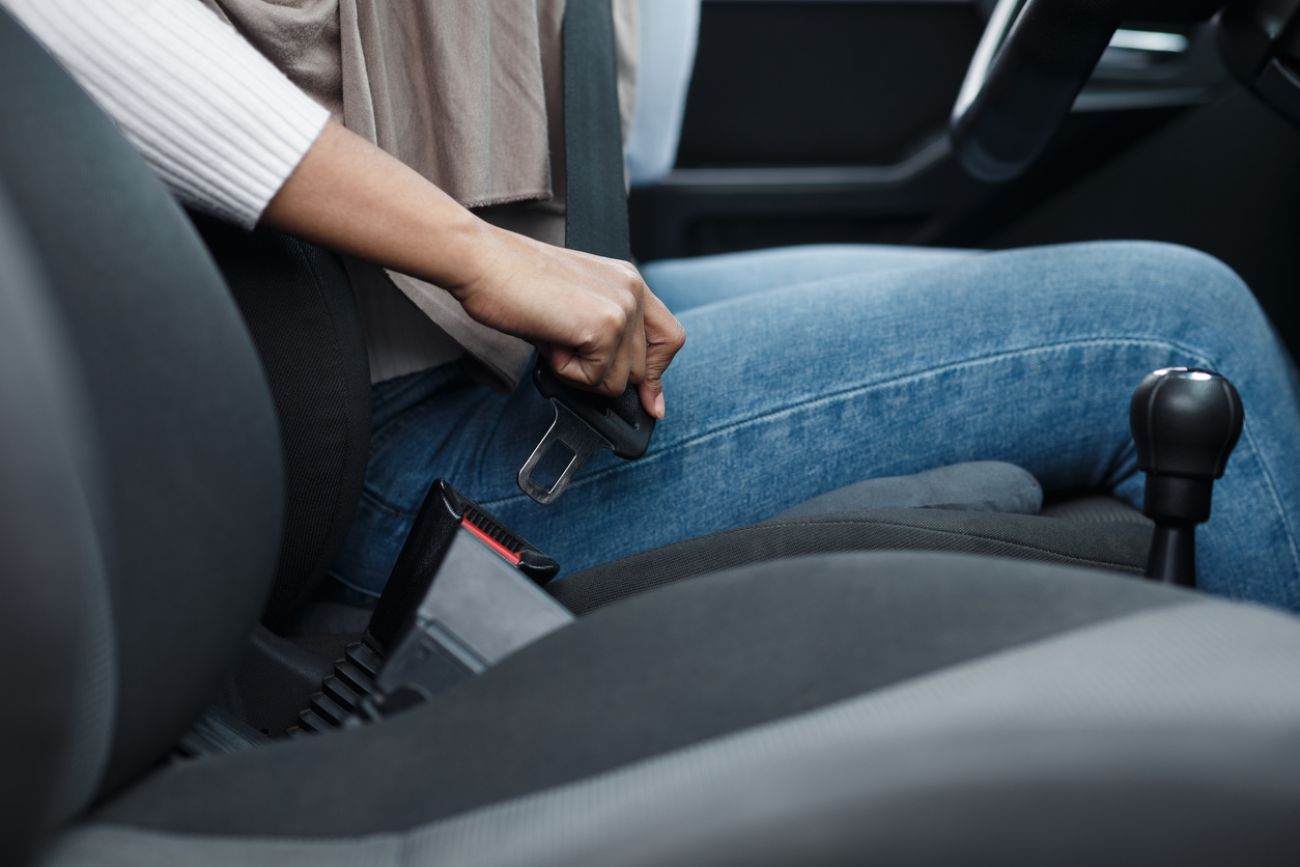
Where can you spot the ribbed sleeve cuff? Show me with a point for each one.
(217, 121)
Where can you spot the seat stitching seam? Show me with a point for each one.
(988, 537)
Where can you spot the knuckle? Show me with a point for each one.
(605, 324)
(627, 302)
(633, 284)
(614, 317)
(593, 339)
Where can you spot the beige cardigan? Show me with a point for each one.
(466, 93)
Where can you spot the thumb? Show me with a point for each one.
(652, 395)
(664, 337)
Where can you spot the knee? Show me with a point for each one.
(1179, 293)
(1200, 281)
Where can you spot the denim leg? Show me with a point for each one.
(1028, 356)
(685, 283)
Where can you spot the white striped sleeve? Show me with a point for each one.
(218, 122)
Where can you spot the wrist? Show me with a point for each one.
(470, 244)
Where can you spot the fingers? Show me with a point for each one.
(629, 360)
(612, 332)
(664, 339)
(616, 375)
(601, 358)
(636, 346)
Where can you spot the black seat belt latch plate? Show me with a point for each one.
(584, 422)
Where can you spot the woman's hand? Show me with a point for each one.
(593, 319)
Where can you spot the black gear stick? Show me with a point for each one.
(1185, 423)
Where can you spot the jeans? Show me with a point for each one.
(809, 368)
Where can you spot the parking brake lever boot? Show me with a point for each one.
(1185, 423)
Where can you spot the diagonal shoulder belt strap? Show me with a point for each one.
(596, 200)
(595, 222)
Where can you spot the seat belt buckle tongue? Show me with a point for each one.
(584, 423)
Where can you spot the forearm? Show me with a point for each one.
(352, 197)
(230, 135)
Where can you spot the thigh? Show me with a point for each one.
(686, 283)
(1026, 356)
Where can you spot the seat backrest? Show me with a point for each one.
(185, 513)
(54, 619)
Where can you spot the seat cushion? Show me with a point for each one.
(910, 708)
(1097, 509)
(1120, 547)
(657, 672)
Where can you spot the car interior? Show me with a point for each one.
(185, 423)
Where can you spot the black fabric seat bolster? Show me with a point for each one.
(1028, 537)
(662, 670)
(298, 304)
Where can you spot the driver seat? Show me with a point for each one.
(909, 708)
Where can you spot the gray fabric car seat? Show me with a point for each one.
(899, 707)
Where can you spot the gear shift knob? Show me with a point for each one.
(1185, 423)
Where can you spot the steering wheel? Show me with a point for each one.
(1034, 58)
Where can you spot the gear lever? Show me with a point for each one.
(1185, 423)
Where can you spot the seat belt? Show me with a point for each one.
(595, 198)
(595, 222)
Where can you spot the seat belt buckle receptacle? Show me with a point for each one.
(464, 593)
